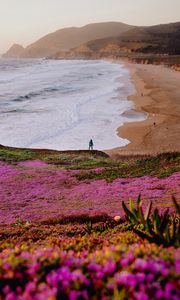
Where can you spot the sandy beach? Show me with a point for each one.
(158, 95)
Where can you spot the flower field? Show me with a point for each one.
(58, 236)
(138, 272)
(37, 191)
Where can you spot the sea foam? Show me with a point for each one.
(62, 104)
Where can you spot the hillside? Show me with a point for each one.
(154, 40)
(67, 38)
(103, 40)
(83, 176)
(69, 228)
(161, 39)
(14, 52)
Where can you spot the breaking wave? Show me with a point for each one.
(62, 104)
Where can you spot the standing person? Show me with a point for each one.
(91, 144)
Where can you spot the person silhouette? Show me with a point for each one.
(91, 144)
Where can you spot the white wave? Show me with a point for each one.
(62, 104)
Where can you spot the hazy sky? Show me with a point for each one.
(24, 21)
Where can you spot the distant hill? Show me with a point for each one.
(162, 39)
(103, 40)
(14, 52)
(67, 38)
(159, 39)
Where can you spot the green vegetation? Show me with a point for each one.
(64, 239)
(15, 155)
(52, 233)
(161, 166)
(63, 158)
(156, 44)
(159, 228)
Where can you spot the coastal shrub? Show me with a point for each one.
(170, 156)
(148, 161)
(162, 229)
(75, 161)
(94, 163)
(167, 172)
(57, 159)
(161, 166)
(11, 155)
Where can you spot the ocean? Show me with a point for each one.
(59, 104)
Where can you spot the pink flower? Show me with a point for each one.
(177, 265)
(141, 296)
(126, 279)
(30, 287)
(110, 267)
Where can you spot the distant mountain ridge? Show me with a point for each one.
(67, 38)
(159, 39)
(100, 40)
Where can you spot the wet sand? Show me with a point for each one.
(157, 95)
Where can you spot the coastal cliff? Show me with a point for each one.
(66, 38)
(151, 45)
(110, 39)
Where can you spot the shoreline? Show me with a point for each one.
(157, 96)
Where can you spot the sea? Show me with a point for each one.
(62, 104)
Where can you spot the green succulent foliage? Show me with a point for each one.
(177, 206)
(89, 227)
(136, 215)
(162, 229)
(18, 222)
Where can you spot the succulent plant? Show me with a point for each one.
(155, 227)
